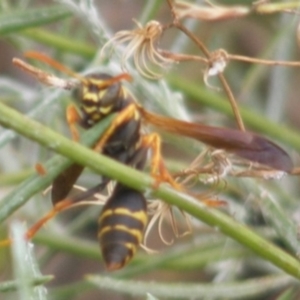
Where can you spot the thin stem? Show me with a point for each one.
(140, 181)
(252, 288)
(267, 62)
(233, 103)
(176, 23)
(206, 52)
(60, 42)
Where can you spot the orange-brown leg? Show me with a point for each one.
(158, 169)
(57, 208)
(60, 206)
(73, 117)
(126, 114)
(212, 202)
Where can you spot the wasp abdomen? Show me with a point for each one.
(121, 226)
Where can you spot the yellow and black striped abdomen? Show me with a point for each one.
(121, 226)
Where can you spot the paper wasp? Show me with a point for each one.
(124, 216)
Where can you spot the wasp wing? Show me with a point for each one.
(245, 144)
(64, 182)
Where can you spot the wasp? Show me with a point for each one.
(124, 216)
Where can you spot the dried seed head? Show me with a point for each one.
(160, 212)
(142, 45)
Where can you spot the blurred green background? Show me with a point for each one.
(206, 264)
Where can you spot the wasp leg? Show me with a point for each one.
(73, 117)
(125, 115)
(158, 169)
(151, 141)
(35, 228)
(214, 202)
(63, 205)
(57, 208)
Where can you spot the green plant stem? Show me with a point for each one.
(70, 291)
(9, 286)
(60, 42)
(22, 19)
(237, 290)
(69, 244)
(188, 257)
(253, 119)
(140, 181)
(183, 258)
(15, 178)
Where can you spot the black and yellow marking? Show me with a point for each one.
(121, 226)
(98, 95)
(124, 217)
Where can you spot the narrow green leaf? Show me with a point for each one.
(59, 42)
(14, 178)
(70, 245)
(237, 290)
(19, 20)
(9, 286)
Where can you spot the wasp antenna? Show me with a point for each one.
(108, 82)
(53, 63)
(123, 76)
(43, 76)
